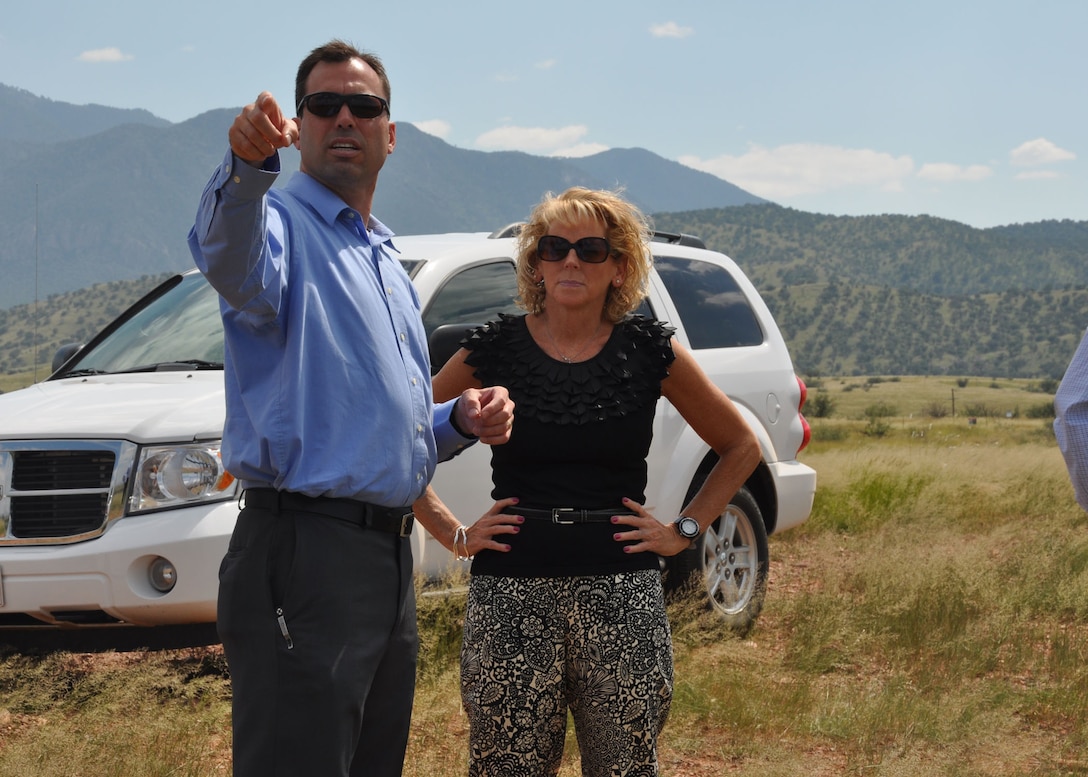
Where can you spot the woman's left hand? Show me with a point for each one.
(647, 533)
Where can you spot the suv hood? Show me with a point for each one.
(140, 407)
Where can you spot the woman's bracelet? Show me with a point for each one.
(460, 537)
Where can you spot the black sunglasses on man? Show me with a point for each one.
(328, 104)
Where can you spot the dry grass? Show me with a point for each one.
(914, 398)
(931, 618)
(19, 380)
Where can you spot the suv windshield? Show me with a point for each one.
(179, 329)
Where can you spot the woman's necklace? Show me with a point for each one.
(558, 350)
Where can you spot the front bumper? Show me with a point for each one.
(105, 581)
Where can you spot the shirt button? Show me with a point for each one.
(403, 337)
(415, 381)
(237, 179)
(419, 428)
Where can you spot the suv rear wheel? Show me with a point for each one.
(728, 565)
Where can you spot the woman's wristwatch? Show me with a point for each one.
(688, 528)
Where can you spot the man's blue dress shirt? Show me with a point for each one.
(327, 375)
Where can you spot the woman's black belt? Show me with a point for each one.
(568, 514)
(396, 520)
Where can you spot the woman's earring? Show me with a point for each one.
(617, 281)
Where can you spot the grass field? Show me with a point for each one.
(17, 380)
(931, 618)
(916, 398)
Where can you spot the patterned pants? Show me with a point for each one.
(534, 647)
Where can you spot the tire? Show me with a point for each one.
(729, 564)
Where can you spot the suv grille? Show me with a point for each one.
(46, 470)
(35, 517)
(61, 490)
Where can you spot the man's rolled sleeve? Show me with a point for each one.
(448, 440)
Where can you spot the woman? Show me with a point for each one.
(565, 607)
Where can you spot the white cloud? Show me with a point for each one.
(1037, 175)
(670, 30)
(534, 140)
(546, 64)
(104, 55)
(1039, 152)
(436, 127)
(946, 172)
(807, 168)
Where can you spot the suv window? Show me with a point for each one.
(477, 295)
(715, 312)
(473, 296)
(182, 325)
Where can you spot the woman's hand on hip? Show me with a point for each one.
(647, 533)
(484, 534)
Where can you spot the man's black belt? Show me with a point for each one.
(396, 520)
(567, 514)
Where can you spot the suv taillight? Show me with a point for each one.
(806, 436)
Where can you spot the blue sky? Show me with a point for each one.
(970, 110)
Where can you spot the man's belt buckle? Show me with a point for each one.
(406, 524)
(559, 512)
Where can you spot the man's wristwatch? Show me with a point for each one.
(687, 527)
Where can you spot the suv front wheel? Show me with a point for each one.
(729, 564)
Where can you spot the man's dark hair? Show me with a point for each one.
(338, 51)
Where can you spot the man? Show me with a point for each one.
(330, 429)
(1071, 421)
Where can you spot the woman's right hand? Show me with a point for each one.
(491, 525)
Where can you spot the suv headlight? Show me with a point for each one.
(177, 475)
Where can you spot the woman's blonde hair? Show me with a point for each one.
(627, 230)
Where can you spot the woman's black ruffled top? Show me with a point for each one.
(580, 438)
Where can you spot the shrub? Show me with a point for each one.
(936, 410)
(1040, 410)
(1045, 386)
(979, 410)
(876, 427)
(820, 406)
(881, 410)
(830, 433)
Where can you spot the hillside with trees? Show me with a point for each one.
(873, 295)
(903, 295)
(779, 246)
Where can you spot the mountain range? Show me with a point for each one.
(94, 194)
(97, 203)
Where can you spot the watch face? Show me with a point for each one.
(688, 527)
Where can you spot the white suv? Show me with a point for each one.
(115, 509)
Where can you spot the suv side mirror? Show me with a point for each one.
(444, 342)
(64, 353)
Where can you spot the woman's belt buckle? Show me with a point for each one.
(576, 515)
